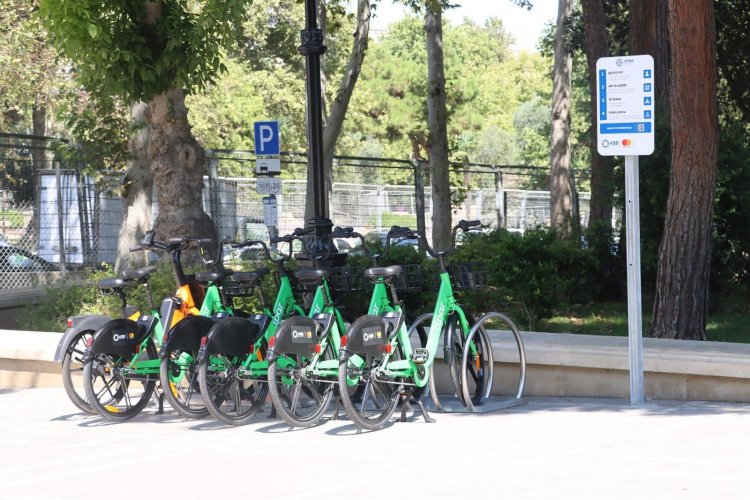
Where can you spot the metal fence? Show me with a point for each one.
(54, 218)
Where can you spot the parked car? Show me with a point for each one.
(15, 259)
(379, 236)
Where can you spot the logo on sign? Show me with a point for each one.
(302, 336)
(627, 143)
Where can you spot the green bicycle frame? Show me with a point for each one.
(284, 306)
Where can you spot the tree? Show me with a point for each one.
(681, 301)
(154, 51)
(561, 184)
(602, 172)
(437, 120)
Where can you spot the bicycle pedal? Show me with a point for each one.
(420, 355)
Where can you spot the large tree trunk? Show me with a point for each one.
(602, 172)
(649, 34)
(437, 121)
(138, 186)
(560, 185)
(682, 280)
(333, 121)
(177, 162)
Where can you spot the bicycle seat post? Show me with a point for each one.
(123, 301)
(149, 295)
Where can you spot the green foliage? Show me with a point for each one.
(75, 298)
(537, 270)
(11, 219)
(140, 49)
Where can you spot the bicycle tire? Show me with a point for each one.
(224, 392)
(384, 395)
(319, 394)
(102, 365)
(70, 365)
(178, 373)
(455, 336)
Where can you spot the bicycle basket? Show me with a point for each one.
(410, 280)
(238, 289)
(346, 279)
(468, 275)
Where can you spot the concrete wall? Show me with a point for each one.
(558, 365)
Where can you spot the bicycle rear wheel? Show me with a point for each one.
(229, 398)
(379, 395)
(178, 372)
(298, 399)
(112, 391)
(72, 371)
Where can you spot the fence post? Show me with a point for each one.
(419, 198)
(379, 216)
(60, 218)
(499, 198)
(214, 197)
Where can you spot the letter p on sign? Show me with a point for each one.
(267, 141)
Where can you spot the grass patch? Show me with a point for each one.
(730, 324)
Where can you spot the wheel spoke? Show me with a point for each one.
(295, 397)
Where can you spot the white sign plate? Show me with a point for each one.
(625, 104)
(268, 185)
(270, 211)
(266, 166)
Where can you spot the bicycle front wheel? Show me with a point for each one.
(476, 370)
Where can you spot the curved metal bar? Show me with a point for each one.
(521, 354)
(431, 387)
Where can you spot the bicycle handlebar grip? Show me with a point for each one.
(175, 241)
(136, 248)
(280, 239)
(205, 241)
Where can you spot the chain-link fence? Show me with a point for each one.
(53, 218)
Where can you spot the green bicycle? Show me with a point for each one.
(232, 359)
(393, 369)
(121, 365)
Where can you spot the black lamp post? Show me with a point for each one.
(312, 48)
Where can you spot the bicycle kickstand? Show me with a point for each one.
(406, 401)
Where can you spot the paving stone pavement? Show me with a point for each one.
(544, 448)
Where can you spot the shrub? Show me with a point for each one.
(537, 270)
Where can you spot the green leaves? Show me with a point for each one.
(129, 48)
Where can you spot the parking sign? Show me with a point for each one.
(267, 140)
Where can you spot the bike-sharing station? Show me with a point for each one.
(299, 355)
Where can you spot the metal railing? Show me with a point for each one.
(54, 218)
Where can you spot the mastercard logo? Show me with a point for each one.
(627, 143)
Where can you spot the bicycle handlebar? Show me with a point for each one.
(464, 225)
(348, 233)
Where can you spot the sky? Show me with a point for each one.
(524, 26)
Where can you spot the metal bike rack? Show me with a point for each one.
(467, 349)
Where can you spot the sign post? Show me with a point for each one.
(625, 98)
(268, 163)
